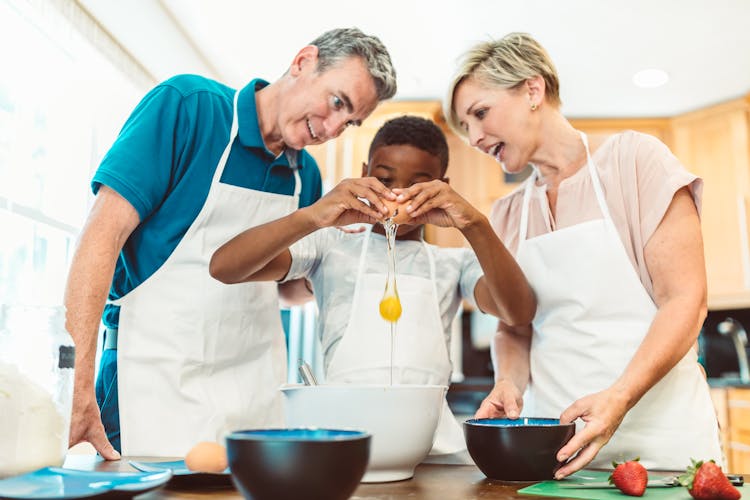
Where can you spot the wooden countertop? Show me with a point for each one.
(430, 482)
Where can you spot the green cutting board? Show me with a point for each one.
(553, 489)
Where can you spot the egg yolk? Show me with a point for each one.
(390, 308)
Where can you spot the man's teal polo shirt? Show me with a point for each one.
(165, 157)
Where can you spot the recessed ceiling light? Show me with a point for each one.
(650, 78)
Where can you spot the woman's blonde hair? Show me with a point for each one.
(505, 63)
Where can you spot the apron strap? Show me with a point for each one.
(232, 135)
(361, 266)
(525, 208)
(595, 180)
(431, 260)
(234, 130)
(297, 183)
(292, 156)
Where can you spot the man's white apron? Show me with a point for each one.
(197, 358)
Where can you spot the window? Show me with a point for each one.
(61, 106)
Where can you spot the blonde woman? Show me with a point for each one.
(610, 241)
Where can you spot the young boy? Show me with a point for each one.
(407, 161)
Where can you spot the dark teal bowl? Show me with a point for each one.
(523, 449)
(280, 464)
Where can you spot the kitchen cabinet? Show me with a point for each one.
(713, 142)
(732, 406)
(738, 441)
(719, 398)
(598, 130)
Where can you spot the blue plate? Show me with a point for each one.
(59, 483)
(184, 477)
(177, 467)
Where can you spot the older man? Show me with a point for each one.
(196, 163)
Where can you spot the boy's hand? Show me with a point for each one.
(435, 202)
(345, 204)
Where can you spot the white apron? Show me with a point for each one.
(593, 314)
(420, 355)
(198, 358)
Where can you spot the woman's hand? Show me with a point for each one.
(347, 203)
(504, 401)
(435, 202)
(602, 412)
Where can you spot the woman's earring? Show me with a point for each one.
(533, 107)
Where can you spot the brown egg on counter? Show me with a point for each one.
(207, 456)
(397, 211)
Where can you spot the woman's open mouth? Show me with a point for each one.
(497, 151)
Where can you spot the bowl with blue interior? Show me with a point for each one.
(309, 463)
(523, 449)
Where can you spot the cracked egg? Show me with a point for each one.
(397, 211)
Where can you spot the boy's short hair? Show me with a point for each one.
(414, 131)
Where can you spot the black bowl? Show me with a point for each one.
(522, 449)
(279, 464)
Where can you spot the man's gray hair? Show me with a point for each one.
(342, 43)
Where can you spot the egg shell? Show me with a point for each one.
(207, 456)
(402, 217)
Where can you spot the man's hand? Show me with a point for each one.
(347, 203)
(109, 225)
(86, 425)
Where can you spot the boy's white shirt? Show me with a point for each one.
(329, 259)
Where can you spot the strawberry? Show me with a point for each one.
(630, 477)
(706, 481)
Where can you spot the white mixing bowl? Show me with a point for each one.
(401, 418)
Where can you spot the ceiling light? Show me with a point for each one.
(650, 78)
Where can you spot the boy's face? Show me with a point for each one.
(400, 166)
